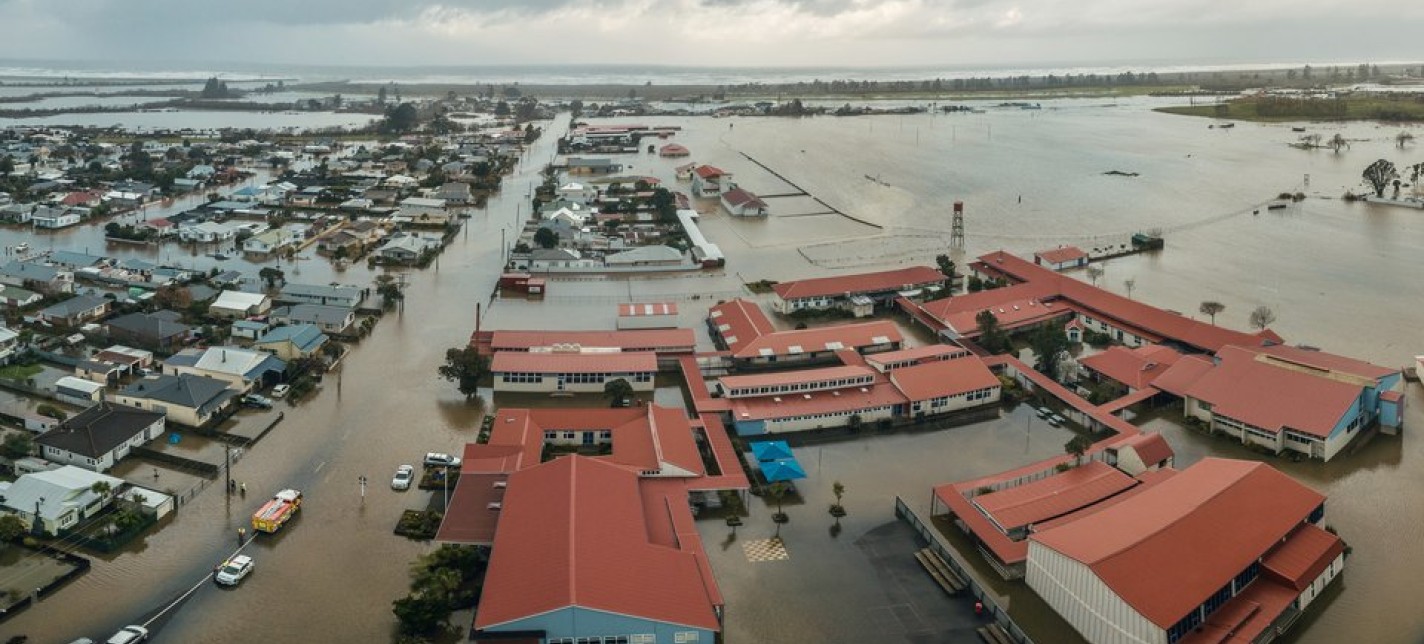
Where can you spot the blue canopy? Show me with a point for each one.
(771, 450)
(785, 469)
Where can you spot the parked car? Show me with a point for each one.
(233, 570)
(128, 635)
(281, 390)
(403, 476)
(1044, 412)
(437, 459)
(254, 400)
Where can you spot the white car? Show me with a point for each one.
(233, 570)
(437, 459)
(281, 390)
(403, 476)
(128, 635)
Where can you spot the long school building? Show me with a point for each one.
(574, 372)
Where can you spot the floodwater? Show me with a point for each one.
(198, 120)
(1338, 275)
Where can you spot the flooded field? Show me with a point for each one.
(1339, 276)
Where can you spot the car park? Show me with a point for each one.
(439, 459)
(128, 635)
(234, 570)
(403, 477)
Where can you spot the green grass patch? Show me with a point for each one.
(1270, 109)
(20, 372)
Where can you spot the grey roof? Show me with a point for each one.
(56, 491)
(312, 313)
(576, 162)
(30, 271)
(552, 254)
(187, 390)
(16, 293)
(71, 258)
(159, 326)
(71, 306)
(201, 293)
(131, 264)
(341, 291)
(97, 430)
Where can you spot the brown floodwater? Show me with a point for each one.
(1339, 276)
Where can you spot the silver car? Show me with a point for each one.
(404, 474)
(233, 570)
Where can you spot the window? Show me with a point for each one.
(646, 638)
(683, 637)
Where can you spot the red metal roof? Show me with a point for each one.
(1136, 368)
(657, 340)
(1181, 376)
(929, 352)
(709, 172)
(1391, 396)
(469, 519)
(1272, 397)
(654, 308)
(817, 339)
(943, 378)
(1322, 361)
(1145, 481)
(795, 377)
(561, 362)
(1304, 555)
(740, 197)
(1194, 532)
(1151, 447)
(1061, 255)
(739, 322)
(1054, 496)
(1013, 306)
(673, 150)
(850, 399)
(842, 285)
(1246, 616)
(574, 533)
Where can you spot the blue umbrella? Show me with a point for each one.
(771, 450)
(785, 469)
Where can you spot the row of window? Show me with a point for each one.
(575, 378)
(838, 414)
(680, 637)
(553, 435)
(803, 386)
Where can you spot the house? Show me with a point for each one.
(333, 319)
(48, 280)
(17, 213)
(455, 192)
(243, 369)
(79, 391)
(576, 193)
(1235, 551)
(571, 215)
(240, 304)
(406, 249)
(343, 295)
(684, 171)
(159, 330)
(1286, 398)
(1061, 258)
(186, 399)
(710, 181)
(848, 291)
(578, 165)
(547, 259)
(673, 151)
(100, 436)
(572, 371)
(292, 342)
(75, 311)
(62, 498)
(52, 217)
(340, 243)
(249, 329)
(9, 342)
(206, 232)
(131, 360)
(649, 257)
(741, 203)
(82, 199)
(74, 261)
(158, 226)
(414, 207)
(15, 297)
(269, 242)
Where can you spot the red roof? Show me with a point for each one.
(470, 519)
(1013, 306)
(1168, 549)
(709, 172)
(817, 339)
(159, 222)
(643, 437)
(673, 150)
(1061, 255)
(742, 198)
(1258, 392)
(80, 198)
(1322, 361)
(561, 362)
(1306, 554)
(926, 353)
(1151, 447)
(574, 532)
(658, 340)
(880, 394)
(1186, 372)
(1145, 481)
(1391, 396)
(843, 285)
(795, 377)
(943, 378)
(739, 322)
(639, 310)
(1245, 616)
(1136, 368)
(1054, 496)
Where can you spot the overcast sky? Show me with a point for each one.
(961, 33)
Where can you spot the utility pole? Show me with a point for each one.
(362, 481)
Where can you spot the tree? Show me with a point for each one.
(1077, 446)
(173, 297)
(501, 109)
(419, 615)
(1336, 142)
(1262, 317)
(101, 488)
(1094, 274)
(11, 528)
(381, 95)
(389, 290)
(271, 276)
(778, 491)
(1402, 139)
(837, 510)
(946, 266)
(465, 367)
(1048, 344)
(46, 409)
(1380, 175)
(617, 390)
(7, 164)
(403, 118)
(546, 238)
(521, 247)
(991, 337)
(1211, 308)
(854, 421)
(1129, 283)
(17, 445)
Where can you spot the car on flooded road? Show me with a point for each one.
(234, 570)
(403, 477)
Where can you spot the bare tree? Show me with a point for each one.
(1262, 317)
(1402, 139)
(1130, 283)
(1336, 142)
(1094, 273)
(1379, 175)
(1211, 308)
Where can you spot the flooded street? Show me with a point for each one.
(1340, 276)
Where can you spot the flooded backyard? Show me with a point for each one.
(1340, 276)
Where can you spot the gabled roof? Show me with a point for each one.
(1168, 549)
(74, 306)
(96, 431)
(228, 360)
(877, 282)
(313, 314)
(196, 392)
(657, 340)
(305, 337)
(342, 291)
(709, 172)
(568, 362)
(743, 198)
(149, 326)
(1136, 368)
(239, 300)
(820, 339)
(1053, 496)
(739, 322)
(31, 271)
(943, 378)
(57, 491)
(1061, 255)
(574, 532)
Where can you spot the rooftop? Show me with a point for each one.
(1061, 255)
(640, 310)
(573, 362)
(943, 378)
(96, 431)
(659, 340)
(844, 285)
(1054, 496)
(1136, 368)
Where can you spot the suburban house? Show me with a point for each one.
(342, 295)
(269, 242)
(647, 257)
(9, 341)
(742, 203)
(416, 207)
(1061, 258)
(49, 280)
(15, 297)
(292, 342)
(185, 399)
(327, 318)
(205, 232)
(158, 330)
(100, 436)
(549, 259)
(455, 192)
(584, 165)
(74, 261)
(572, 371)
(62, 497)
(340, 241)
(243, 369)
(1236, 551)
(710, 181)
(79, 391)
(240, 304)
(859, 293)
(406, 249)
(55, 217)
(75, 311)
(673, 150)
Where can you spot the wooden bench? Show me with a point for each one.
(933, 560)
(993, 634)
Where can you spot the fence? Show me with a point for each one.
(928, 532)
(81, 566)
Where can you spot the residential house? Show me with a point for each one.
(15, 297)
(74, 260)
(240, 304)
(267, 243)
(577, 165)
(406, 249)
(62, 498)
(340, 242)
(243, 369)
(9, 342)
(741, 203)
(332, 319)
(249, 329)
(159, 330)
(205, 232)
(546, 259)
(17, 213)
(292, 342)
(75, 311)
(1061, 258)
(343, 295)
(673, 151)
(576, 192)
(100, 436)
(455, 193)
(159, 227)
(648, 257)
(186, 399)
(79, 390)
(710, 181)
(55, 217)
(414, 207)
(48, 280)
